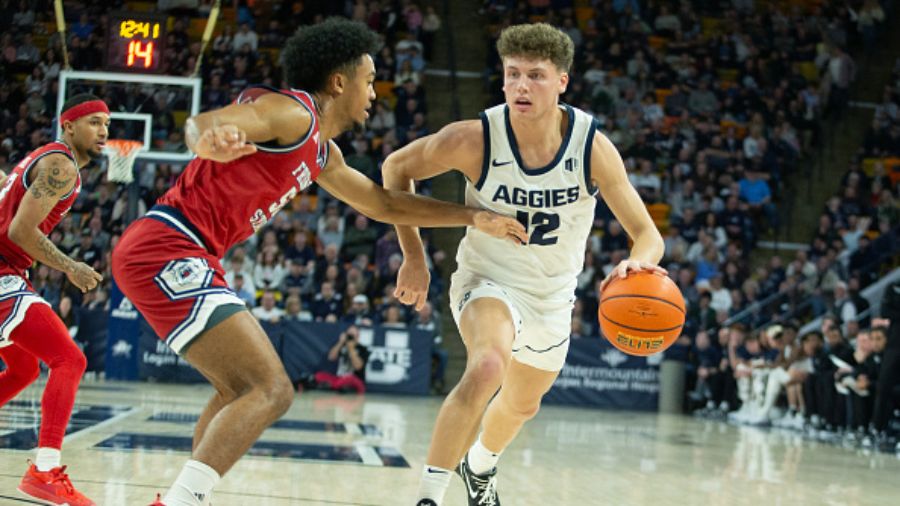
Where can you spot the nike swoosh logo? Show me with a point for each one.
(472, 493)
(436, 471)
(496, 164)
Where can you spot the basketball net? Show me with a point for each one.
(121, 155)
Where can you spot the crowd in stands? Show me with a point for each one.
(317, 259)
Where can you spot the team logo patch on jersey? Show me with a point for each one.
(466, 297)
(9, 284)
(184, 278)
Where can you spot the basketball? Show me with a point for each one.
(642, 314)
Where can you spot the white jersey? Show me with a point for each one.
(555, 203)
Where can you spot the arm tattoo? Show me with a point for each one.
(52, 256)
(53, 179)
(49, 182)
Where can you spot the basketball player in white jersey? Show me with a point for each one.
(543, 162)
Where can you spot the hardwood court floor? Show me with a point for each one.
(129, 441)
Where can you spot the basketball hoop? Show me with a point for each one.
(121, 155)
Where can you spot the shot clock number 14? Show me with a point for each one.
(136, 42)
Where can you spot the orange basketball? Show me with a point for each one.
(641, 314)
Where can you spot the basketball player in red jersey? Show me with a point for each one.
(253, 157)
(34, 198)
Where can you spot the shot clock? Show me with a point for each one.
(136, 42)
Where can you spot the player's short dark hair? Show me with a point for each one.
(77, 100)
(315, 52)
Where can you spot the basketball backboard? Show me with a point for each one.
(147, 108)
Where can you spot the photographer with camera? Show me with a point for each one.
(351, 358)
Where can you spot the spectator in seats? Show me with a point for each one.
(747, 354)
(756, 192)
(385, 247)
(820, 394)
(392, 317)
(843, 306)
(300, 252)
(647, 183)
(328, 258)
(702, 314)
(236, 266)
(360, 238)
(841, 72)
(721, 297)
(267, 311)
(359, 312)
(224, 42)
(23, 17)
(350, 358)
(405, 73)
(702, 100)
(84, 27)
(237, 285)
(889, 376)
(677, 101)
(294, 310)
(327, 305)
(27, 55)
(430, 26)
(614, 239)
(427, 320)
(245, 37)
(298, 280)
(383, 119)
(706, 359)
(269, 272)
(87, 251)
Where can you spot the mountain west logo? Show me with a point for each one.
(122, 348)
(126, 311)
(614, 358)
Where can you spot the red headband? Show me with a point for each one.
(83, 109)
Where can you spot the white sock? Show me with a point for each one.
(193, 486)
(481, 460)
(47, 459)
(435, 481)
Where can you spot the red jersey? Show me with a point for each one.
(11, 255)
(221, 204)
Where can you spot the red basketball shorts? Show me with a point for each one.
(164, 269)
(16, 296)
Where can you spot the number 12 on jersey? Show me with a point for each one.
(544, 223)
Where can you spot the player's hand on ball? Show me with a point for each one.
(413, 280)
(223, 143)
(84, 277)
(501, 227)
(625, 266)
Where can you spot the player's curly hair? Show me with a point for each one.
(315, 52)
(539, 41)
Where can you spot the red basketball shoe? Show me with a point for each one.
(158, 501)
(52, 486)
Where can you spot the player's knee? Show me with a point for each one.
(78, 363)
(523, 410)
(279, 394)
(483, 376)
